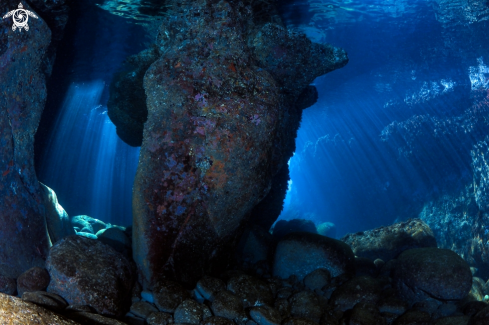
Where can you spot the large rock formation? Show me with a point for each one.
(223, 111)
(23, 237)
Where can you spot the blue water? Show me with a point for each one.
(82, 159)
(406, 60)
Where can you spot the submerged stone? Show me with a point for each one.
(422, 273)
(34, 279)
(388, 242)
(301, 253)
(86, 272)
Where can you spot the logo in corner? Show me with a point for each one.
(20, 17)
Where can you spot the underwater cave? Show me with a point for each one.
(253, 162)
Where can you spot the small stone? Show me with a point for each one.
(227, 305)
(7, 285)
(209, 286)
(363, 289)
(45, 299)
(159, 318)
(168, 295)
(142, 309)
(283, 307)
(252, 290)
(265, 315)
(84, 318)
(299, 321)
(317, 279)
(366, 314)
(189, 312)
(216, 320)
(34, 279)
(307, 305)
(284, 293)
(147, 296)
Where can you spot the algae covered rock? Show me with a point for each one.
(422, 273)
(86, 272)
(301, 253)
(388, 242)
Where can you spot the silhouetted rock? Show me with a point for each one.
(414, 317)
(422, 273)
(24, 242)
(327, 229)
(115, 238)
(127, 101)
(388, 242)
(34, 279)
(86, 272)
(301, 253)
(16, 311)
(284, 227)
(57, 220)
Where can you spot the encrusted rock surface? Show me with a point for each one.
(24, 241)
(34, 279)
(14, 310)
(86, 272)
(388, 242)
(217, 106)
(301, 253)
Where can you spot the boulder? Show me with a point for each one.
(24, 241)
(422, 273)
(7, 285)
(16, 311)
(34, 279)
(284, 227)
(327, 229)
(57, 220)
(210, 149)
(388, 242)
(301, 253)
(86, 272)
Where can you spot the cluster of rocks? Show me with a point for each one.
(311, 279)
